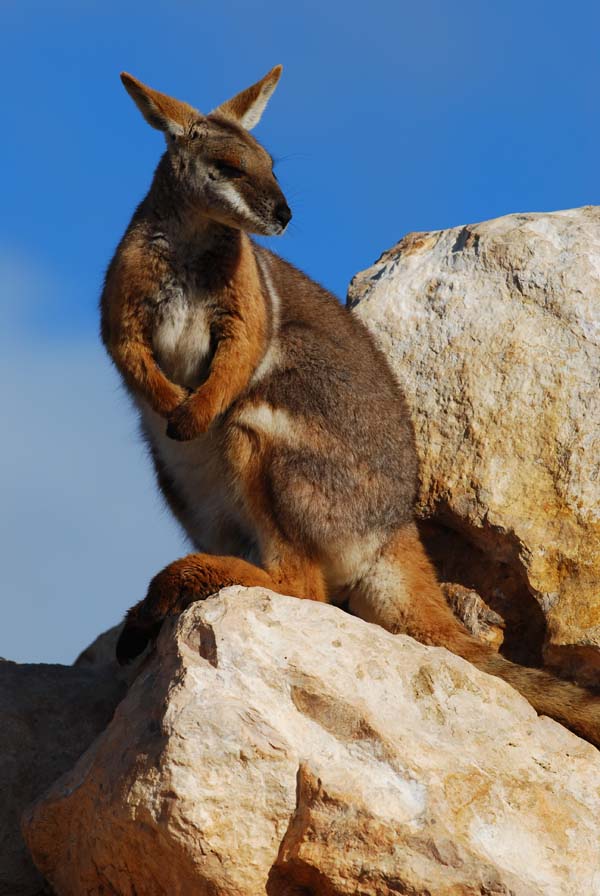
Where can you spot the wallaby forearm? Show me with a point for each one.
(127, 327)
(144, 377)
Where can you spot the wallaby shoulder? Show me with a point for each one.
(328, 354)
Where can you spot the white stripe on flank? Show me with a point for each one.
(272, 355)
(273, 294)
(273, 422)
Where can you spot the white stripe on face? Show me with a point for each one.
(237, 204)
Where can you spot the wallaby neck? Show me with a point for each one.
(192, 234)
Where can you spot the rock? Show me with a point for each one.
(48, 716)
(494, 333)
(102, 651)
(283, 746)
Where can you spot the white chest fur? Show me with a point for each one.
(181, 339)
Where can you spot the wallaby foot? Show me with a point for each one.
(189, 579)
(197, 577)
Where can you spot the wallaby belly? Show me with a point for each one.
(213, 518)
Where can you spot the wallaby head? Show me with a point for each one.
(214, 162)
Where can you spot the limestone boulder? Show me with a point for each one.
(48, 716)
(272, 745)
(493, 330)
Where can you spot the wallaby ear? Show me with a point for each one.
(161, 111)
(247, 107)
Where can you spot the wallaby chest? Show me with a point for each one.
(183, 313)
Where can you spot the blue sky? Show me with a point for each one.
(388, 118)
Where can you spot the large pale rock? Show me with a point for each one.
(48, 716)
(494, 332)
(282, 746)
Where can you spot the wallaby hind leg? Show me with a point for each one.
(197, 576)
(400, 593)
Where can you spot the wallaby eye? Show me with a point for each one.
(228, 170)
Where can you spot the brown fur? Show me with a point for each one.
(280, 437)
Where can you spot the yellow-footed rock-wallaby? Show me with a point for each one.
(280, 438)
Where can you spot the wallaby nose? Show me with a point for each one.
(283, 214)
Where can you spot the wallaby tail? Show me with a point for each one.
(400, 593)
(572, 706)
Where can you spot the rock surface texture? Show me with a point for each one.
(48, 716)
(281, 746)
(494, 332)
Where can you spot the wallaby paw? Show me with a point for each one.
(178, 434)
(188, 421)
(166, 403)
